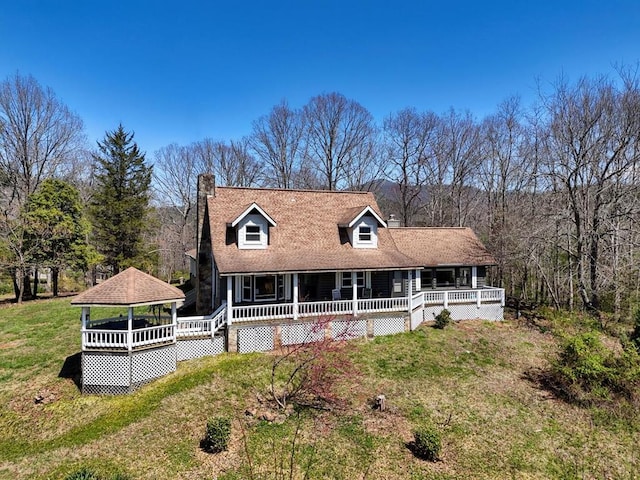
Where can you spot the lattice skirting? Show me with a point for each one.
(348, 329)
(470, 311)
(301, 333)
(256, 339)
(115, 373)
(200, 347)
(388, 325)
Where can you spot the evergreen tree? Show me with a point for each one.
(119, 208)
(56, 231)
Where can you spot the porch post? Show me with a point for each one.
(295, 296)
(83, 317)
(446, 299)
(409, 291)
(478, 299)
(354, 288)
(130, 329)
(174, 319)
(474, 277)
(418, 280)
(229, 299)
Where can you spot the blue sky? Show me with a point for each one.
(183, 71)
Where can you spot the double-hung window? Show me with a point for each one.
(347, 279)
(364, 234)
(252, 234)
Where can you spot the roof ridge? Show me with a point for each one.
(306, 190)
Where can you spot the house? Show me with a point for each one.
(279, 258)
(269, 263)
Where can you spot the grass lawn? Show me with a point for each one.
(468, 381)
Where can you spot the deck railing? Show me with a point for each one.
(202, 325)
(161, 330)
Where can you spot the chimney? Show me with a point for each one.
(204, 275)
(393, 222)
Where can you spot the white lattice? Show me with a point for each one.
(491, 311)
(348, 329)
(388, 325)
(468, 311)
(255, 339)
(154, 363)
(301, 333)
(197, 348)
(106, 369)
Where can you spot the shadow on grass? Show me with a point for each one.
(71, 368)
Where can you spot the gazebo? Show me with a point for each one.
(121, 353)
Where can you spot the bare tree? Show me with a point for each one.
(337, 130)
(38, 135)
(593, 138)
(277, 141)
(232, 164)
(408, 139)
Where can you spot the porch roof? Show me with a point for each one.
(130, 287)
(307, 236)
(446, 246)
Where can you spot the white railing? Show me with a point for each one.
(369, 305)
(202, 325)
(495, 294)
(462, 296)
(417, 300)
(317, 309)
(95, 338)
(434, 298)
(151, 335)
(272, 311)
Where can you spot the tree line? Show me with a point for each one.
(550, 188)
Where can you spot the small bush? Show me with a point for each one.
(83, 474)
(216, 438)
(443, 319)
(427, 443)
(635, 334)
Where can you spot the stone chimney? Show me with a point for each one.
(204, 254)
(393, 222)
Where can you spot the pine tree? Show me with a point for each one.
(120, 205)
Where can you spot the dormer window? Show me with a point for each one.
(252, 227)
(364, 234)
(252, 234)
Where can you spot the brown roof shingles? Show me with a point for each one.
(432, 246)
(130, 287)
(307, 236)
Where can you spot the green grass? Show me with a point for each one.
(467, 380)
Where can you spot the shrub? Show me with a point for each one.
(82, 474)
(635, 334)
(583, 360)
(216, 438)
(427, 443)
(443, 319)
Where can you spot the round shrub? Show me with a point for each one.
(82, 474)
(443, 319)
(216, 438)
(427, 444)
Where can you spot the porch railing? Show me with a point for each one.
(202, 325)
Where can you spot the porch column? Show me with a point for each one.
(229, 299)
(83, 318)
(418, 280)
(174, 319)
(478, 299)
(354, 288)
(446, 299)
(474, 277)
(409, 292)
(295, 296)
(130, 329)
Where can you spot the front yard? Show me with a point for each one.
(469, 381)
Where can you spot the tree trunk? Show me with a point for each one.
(55, 271)
(35, 284)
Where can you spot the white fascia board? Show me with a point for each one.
(253, 206)
(364, 211)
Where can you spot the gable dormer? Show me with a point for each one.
(252, 228)
(362, 225)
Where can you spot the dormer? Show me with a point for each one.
(361, 224)
(252, 228)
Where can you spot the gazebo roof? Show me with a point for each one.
(130, 287)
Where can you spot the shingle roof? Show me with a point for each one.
(130, 287)
(307, 236)
(442, 246)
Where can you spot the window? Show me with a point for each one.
(265, 287)
(445, 277)
(426, 278)
(252, 234)
(346, 279)
(364, 234)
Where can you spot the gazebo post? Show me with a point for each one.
(84, 317)
(174, 319)
(130, 329)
